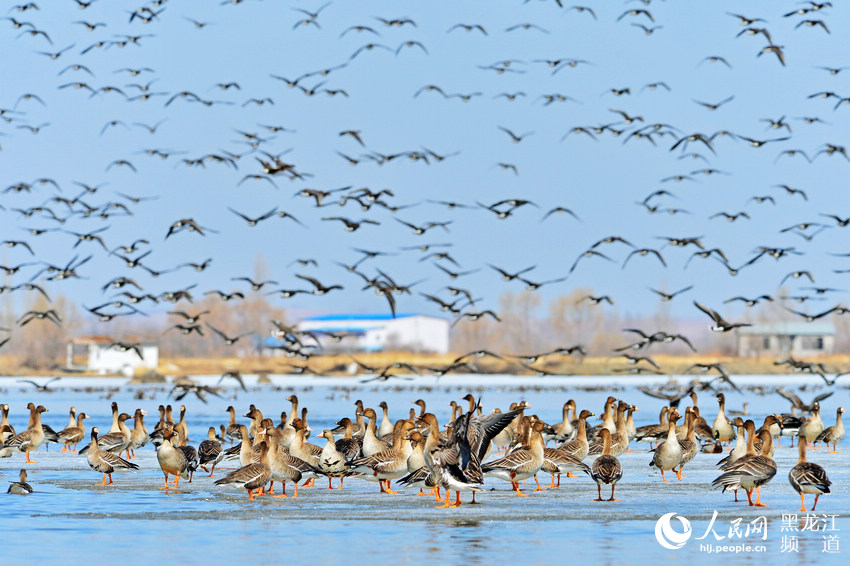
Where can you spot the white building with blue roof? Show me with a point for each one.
(379, 332)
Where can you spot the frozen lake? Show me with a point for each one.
(134, 521)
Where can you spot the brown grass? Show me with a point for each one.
(339, 364)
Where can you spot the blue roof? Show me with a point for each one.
(378, 316)
(342, 328)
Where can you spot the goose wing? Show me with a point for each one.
(809, 475)
(481, 430)
(246, 474)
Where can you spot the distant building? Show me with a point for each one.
(377, 332)
(786, 339)
(103, 354)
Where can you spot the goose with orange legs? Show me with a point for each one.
(105, 462)
(172, 460)
(304, 450)
(424, 477)
(689, 445)
(556, 462)
(73, 434)
(388, 464)
(33, 437)
(254, 475)
(744, 445)
(116, 442)
(284, 466)
(457, 465)
(668, 454)
(808, 477)
(332, 463)
(522, 462)
(833, 434)
(578, 447)
(606, 469)
(416, 458)
(139, 434)
(750, 472)
(210, 452)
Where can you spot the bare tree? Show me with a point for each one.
(520, 331)
(574, 321)
(41, 343)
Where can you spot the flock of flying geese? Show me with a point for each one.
(417, 452)
(56, 211)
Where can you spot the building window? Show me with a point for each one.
(811, 342)
(765, 343)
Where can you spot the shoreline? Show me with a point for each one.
(344, 365)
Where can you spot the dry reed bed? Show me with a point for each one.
(343, 364)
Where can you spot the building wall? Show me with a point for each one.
(432, 334)
(417, 333)
(112, 359)
(151, 355)
(754, 345)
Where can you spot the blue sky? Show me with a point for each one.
(601, 180)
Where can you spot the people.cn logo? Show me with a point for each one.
(667, 536)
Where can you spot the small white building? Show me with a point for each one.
(105, 355)
(379, 332)
(787, 339)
